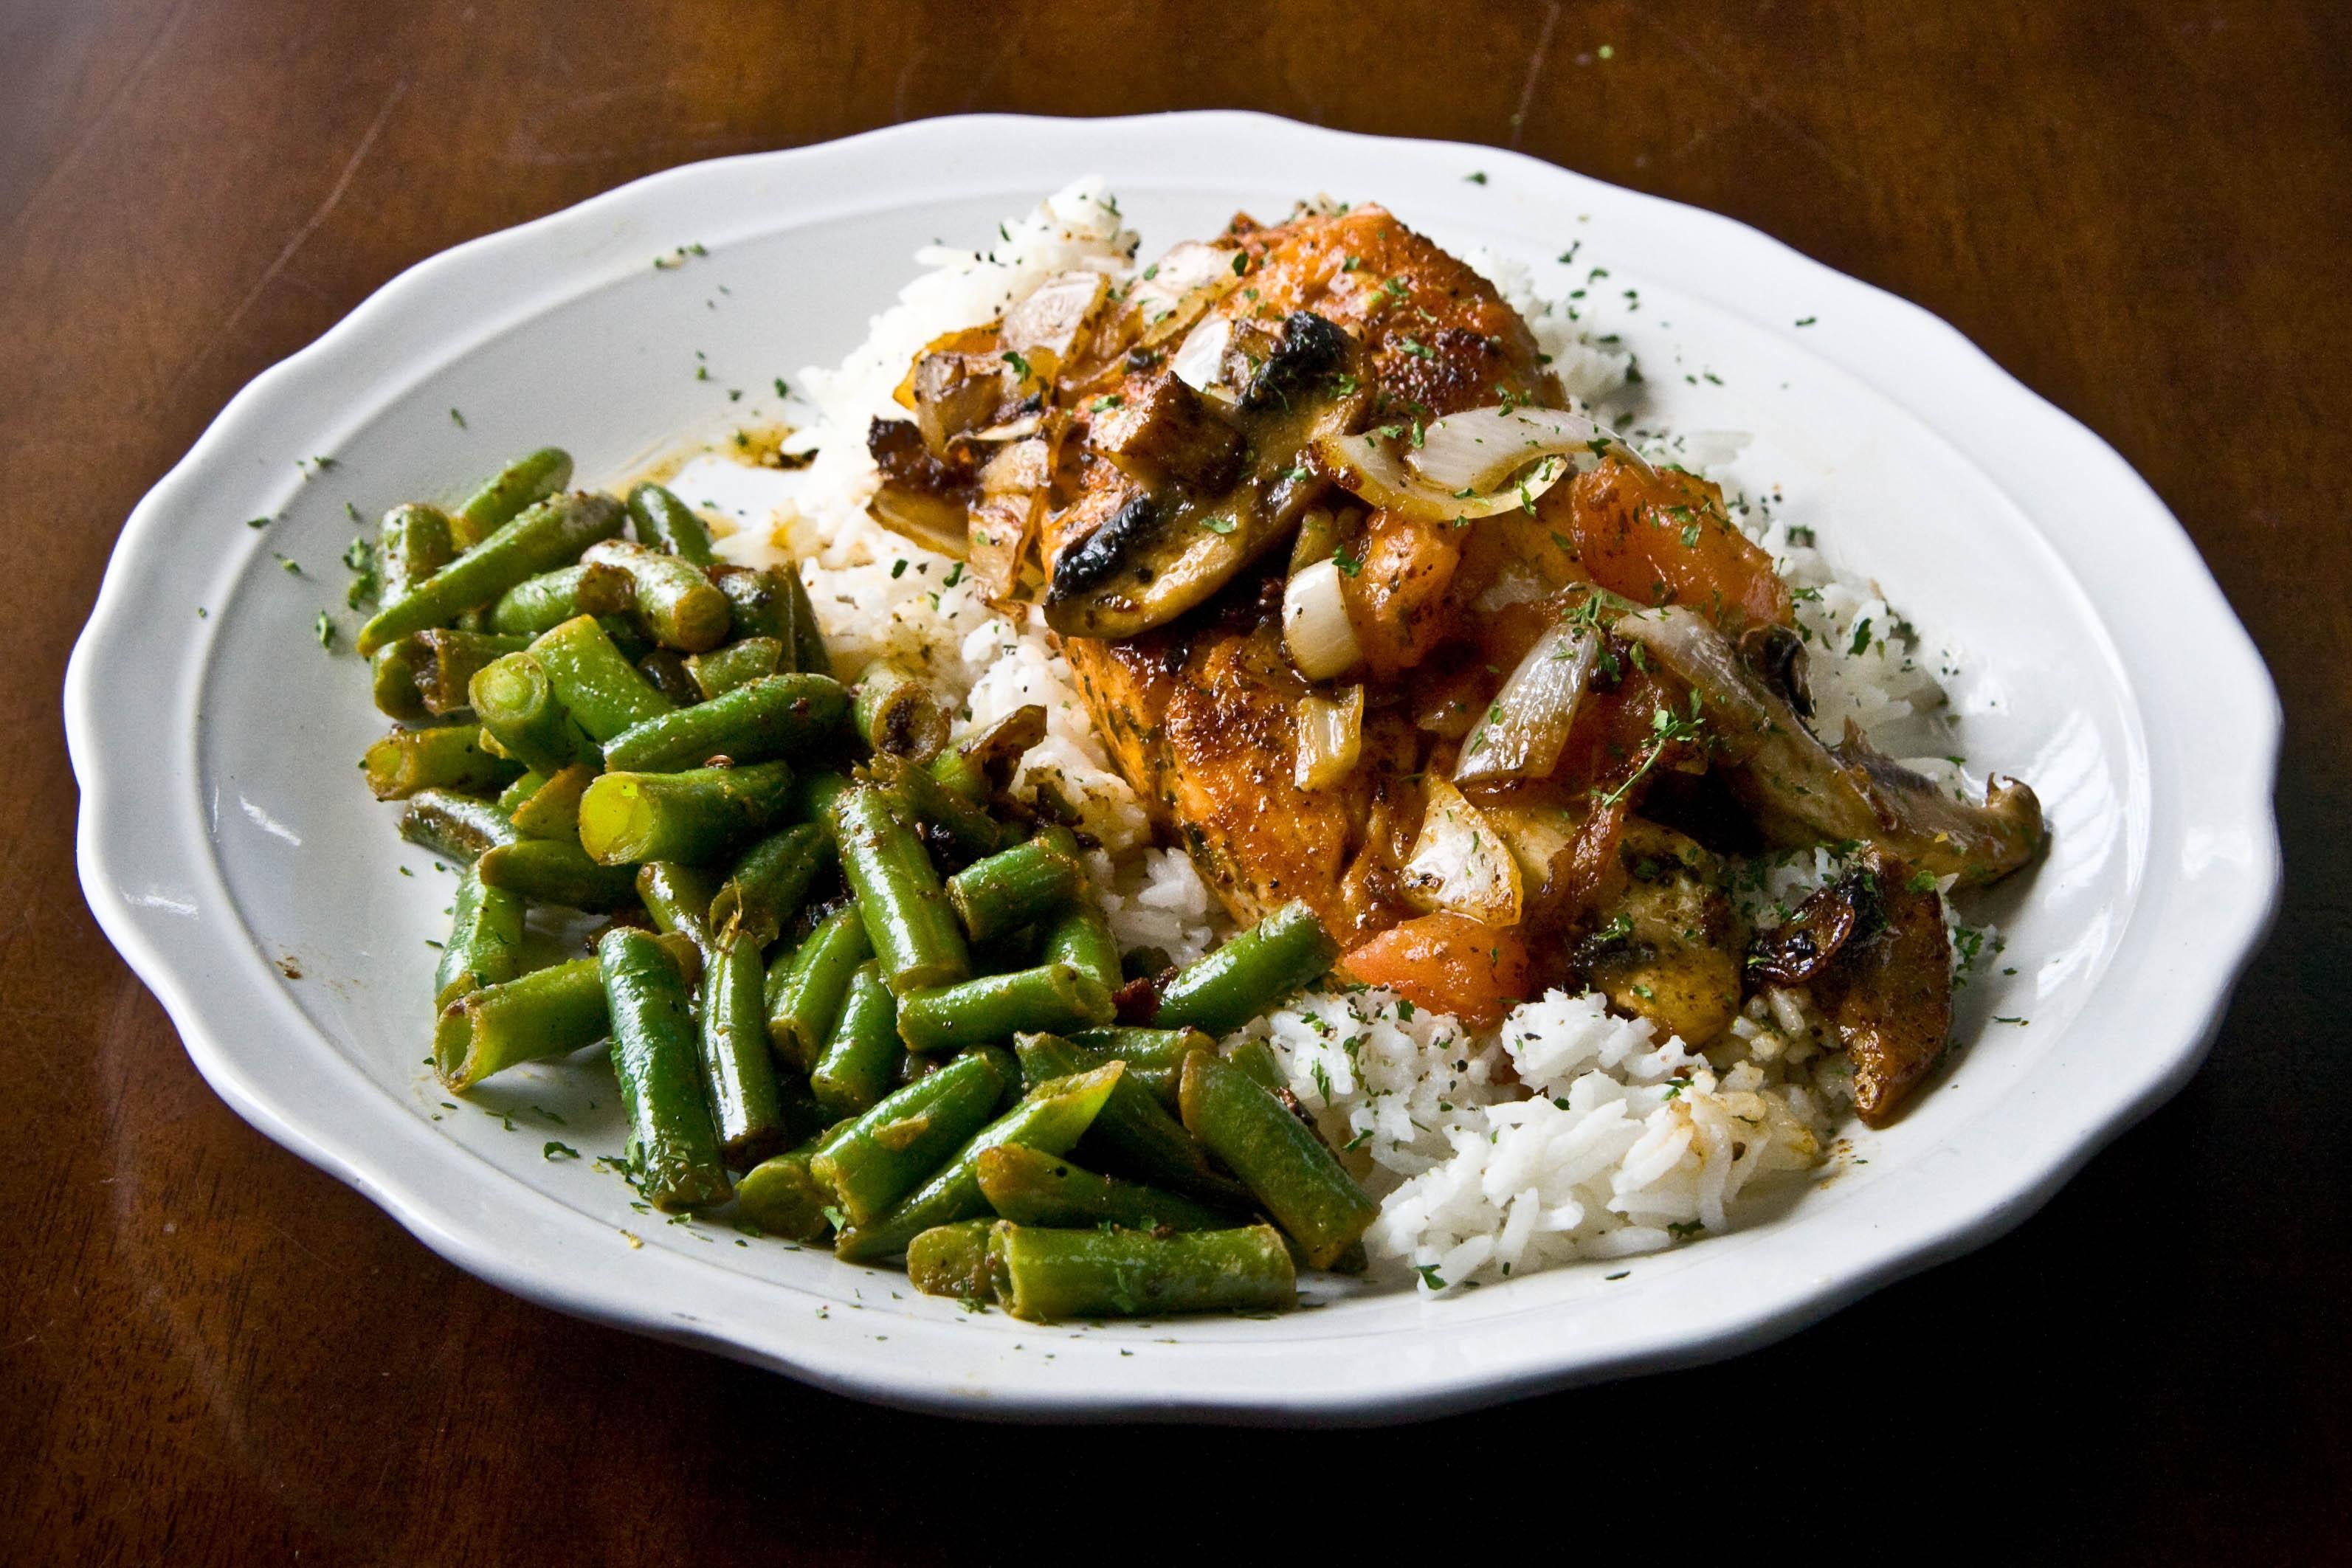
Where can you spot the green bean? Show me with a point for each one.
(547, 535)
(595, 681)
(1154, 1057)
(1301, 1183)
(552, 810)
(449, 756)
(953, 1260)
(665, 670)
(772, 603)
(773, 718)
(666, 523)
(676, 605)
(459, 826)
(721, 670)
(958, 773)
(448, 663)
(391, 675)
(548, 1012)
(861, 1057)
(517, 703)
(781, 1197)
(772, 882)
(1254, 1057)
(679, 899)
(411, 543)
(970, 831)
(655, 1056)
(1287, 949)
(694, 816)
(1033, 1188)
(538, 605)
(527, 479)
(1012, 888)
(914, 931)
(485, 945)
(812, 796)
(550, 870)
(531, 783)
(871, 1163)
(1045, 1276)
(1079, 934)
(801, 635)
(985, 762)
(746, 1102)
(1047, 998)
(1135, 1136)
(901, 714)
(1050, 1118)
(805, 1001)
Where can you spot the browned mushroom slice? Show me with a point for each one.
(1794, 952)
(922, 498)
(1888, 992)
(1163, 432)
(1668, 948)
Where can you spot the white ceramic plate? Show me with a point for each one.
(227, 845)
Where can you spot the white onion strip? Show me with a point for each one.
(1315, 631)
(1523, 732)
(1479, 448)
(1460, 862)
(1330, 739)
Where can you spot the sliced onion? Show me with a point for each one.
(1195, 363)
(1368, 465)
(1479, 448)
(1054, 315)
(1002, 522)
(1182, 284)
(1330, 739)
(1689, 646)
(1523, 732)
(1315, 631)
(1460, 862)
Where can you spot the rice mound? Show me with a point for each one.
(1566, 1132)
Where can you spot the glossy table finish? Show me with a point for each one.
(210, 1352)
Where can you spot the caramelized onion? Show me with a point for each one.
(1460, 862)
(1368, 465)
(1330, 739)
(1179, 287)
(1315, 631)
(1479, 448)
(1523, 732)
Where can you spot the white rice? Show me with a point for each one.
(1564, 1133)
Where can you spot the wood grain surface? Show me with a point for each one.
(212, 1353)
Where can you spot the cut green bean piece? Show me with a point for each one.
(953, 1260)
(679, 899)
(411, 543)
(485, 945)
(594, 680)
(459, 826)
(1048, 998)
(676, 605)
(746, 1103)
(695, 816)
(1154, 1057)
(803, 1004)
(772, 603)
(1050, 1118)
(1279, 1158)
(901, 715)
(861, 1057)
(548, 1012)
(450, 661)
(721, 670)
(447, 758)
(1048, 1276)
(873, 1161)
(665, 670)
(772, 882)
(1282, 953)
(522, 790)
(812, 796)
(551, 871)
(1012, 888)
(1079, 934)
(518, 705)
(771, 717)
(1033, 1188)
(914, 930)
(782, 1196)
(802, 634)
(655, 1056)
(527, 479)
(547, 535)
(1134, 1137)
(970, 831)
(666, 523)
(538, 605)
(552, 810)
(1254, 1057)
(392, 675)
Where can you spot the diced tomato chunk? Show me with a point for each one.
(1448, 964)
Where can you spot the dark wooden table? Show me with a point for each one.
(210, 1352)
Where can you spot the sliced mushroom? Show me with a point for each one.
(922, 498)
(1163, 432)
(1888, 991)
(1801, 947)
(1804, 793)
(1668, 948)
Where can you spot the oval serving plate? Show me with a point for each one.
(229, 851)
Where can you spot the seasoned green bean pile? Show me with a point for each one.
(847, 982)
